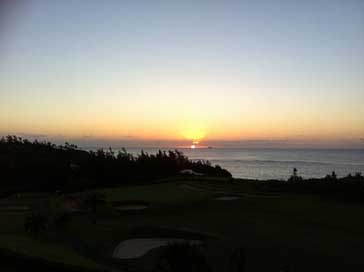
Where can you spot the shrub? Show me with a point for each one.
(237, 261)
(48, 167)
(182, 257)
(36, 223)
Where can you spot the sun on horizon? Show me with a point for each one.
(194, 133)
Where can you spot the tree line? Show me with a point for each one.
(349, 187)
(43, 166)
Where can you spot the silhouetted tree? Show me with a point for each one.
(182, 257)
(237, 261)
(36, 223)
(93, 201)
(295, 177)
(332, 177)
(48, 167)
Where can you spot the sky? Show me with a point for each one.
(222, 72)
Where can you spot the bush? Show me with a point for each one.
(36, 224)
(48, 167)
(182, 257)
(295, 177)
(237, 261)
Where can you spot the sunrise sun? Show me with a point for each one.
(194, 133)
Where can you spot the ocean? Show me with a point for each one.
(276, 163)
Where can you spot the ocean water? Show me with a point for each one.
(277, 163)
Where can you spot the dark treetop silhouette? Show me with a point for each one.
(43, 166)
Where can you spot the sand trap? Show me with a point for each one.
(131, 207)
(135, 248)
(14, 208)
(227, 198)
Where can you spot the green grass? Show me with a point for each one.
(163, 193)
(305, 233)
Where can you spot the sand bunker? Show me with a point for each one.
(227, 198)
(135, 248)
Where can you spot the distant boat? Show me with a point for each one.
(209, 147)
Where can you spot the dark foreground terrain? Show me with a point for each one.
(207, 223)
(275, 231)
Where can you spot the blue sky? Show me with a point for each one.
(171, 70)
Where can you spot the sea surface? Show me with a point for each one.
(276, 163)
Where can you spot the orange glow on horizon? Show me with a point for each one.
(186, 130)
(195, 133)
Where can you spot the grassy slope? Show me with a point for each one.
(294, 231)
(162, 193)
(13, 236)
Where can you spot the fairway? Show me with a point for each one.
(304, 232)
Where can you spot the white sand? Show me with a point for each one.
(135, 248)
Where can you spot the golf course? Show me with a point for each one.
(271, 231)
